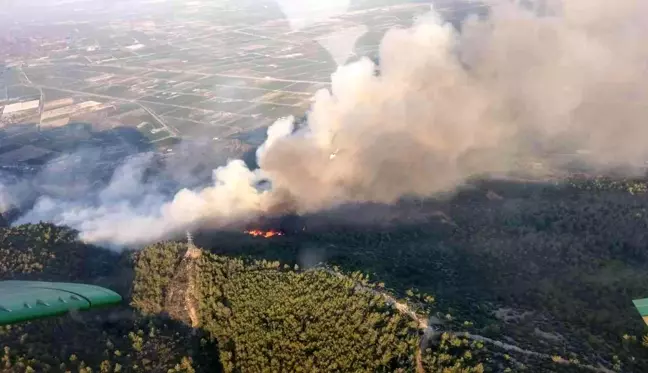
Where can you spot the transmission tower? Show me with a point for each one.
(190, 239)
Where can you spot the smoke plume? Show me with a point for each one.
(445, 106)
(448, 106)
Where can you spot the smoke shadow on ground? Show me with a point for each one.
(44, 144)
(26, 150)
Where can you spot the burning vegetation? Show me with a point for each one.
(264, 233)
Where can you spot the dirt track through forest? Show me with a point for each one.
(428, 332)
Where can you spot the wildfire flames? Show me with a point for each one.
(264, 234)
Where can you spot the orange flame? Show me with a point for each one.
(264, 234)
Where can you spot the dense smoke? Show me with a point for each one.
(445, 106)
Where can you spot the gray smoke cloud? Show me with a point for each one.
(446, 106)
(122, 205)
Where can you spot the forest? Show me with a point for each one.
(501, 277)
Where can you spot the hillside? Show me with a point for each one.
(113, 340)
(551, 267)
(505, 276)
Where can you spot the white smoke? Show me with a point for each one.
(304, 13)
(445, 106)
(340, 44)
(6, 199)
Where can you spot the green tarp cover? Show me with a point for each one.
(26, 300)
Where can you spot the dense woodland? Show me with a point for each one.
(561, 263)
(547, 268)
(113, 340)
